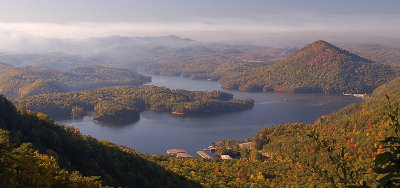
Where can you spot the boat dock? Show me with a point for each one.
(356, 95)
(180, 153)
(210, 148)
(204, 155)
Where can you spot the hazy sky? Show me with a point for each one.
(205, 20)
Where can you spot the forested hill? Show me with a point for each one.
(317, 67)
(121, 102)
(63, 155)
(357, 131)
(27, 81)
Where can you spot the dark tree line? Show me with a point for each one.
(36, 152)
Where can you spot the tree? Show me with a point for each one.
(342, 173)
(388, 162)
(25, 167)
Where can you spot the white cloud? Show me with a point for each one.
(207, 29)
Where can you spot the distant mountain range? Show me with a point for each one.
(243, 67)
(317, 67)
(93, 46)
(169, 55)
(381, 53)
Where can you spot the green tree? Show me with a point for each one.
(388, 163)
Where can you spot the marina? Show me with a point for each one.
(180, 153)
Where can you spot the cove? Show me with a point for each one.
(156, 132)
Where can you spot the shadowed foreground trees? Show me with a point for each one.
(66, 147)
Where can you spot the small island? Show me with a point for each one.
(111, 111)
(124, 103)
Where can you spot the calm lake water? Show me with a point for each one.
(156, 132)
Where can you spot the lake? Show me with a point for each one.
(156, 132)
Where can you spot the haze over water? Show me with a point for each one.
(156, 132)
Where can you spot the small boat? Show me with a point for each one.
(360, 95)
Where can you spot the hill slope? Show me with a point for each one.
(16, 81)
(318, 67)
(117, 165)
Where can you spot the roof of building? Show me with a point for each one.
(246, 144)
(183, 155)
(204, 154)
(176, 151)
(226, 157)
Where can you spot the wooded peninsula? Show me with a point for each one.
(126, 102)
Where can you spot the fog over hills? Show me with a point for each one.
(89, 46)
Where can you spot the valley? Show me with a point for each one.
(199, 94)
(114, 125)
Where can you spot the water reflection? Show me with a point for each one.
(116, 123)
